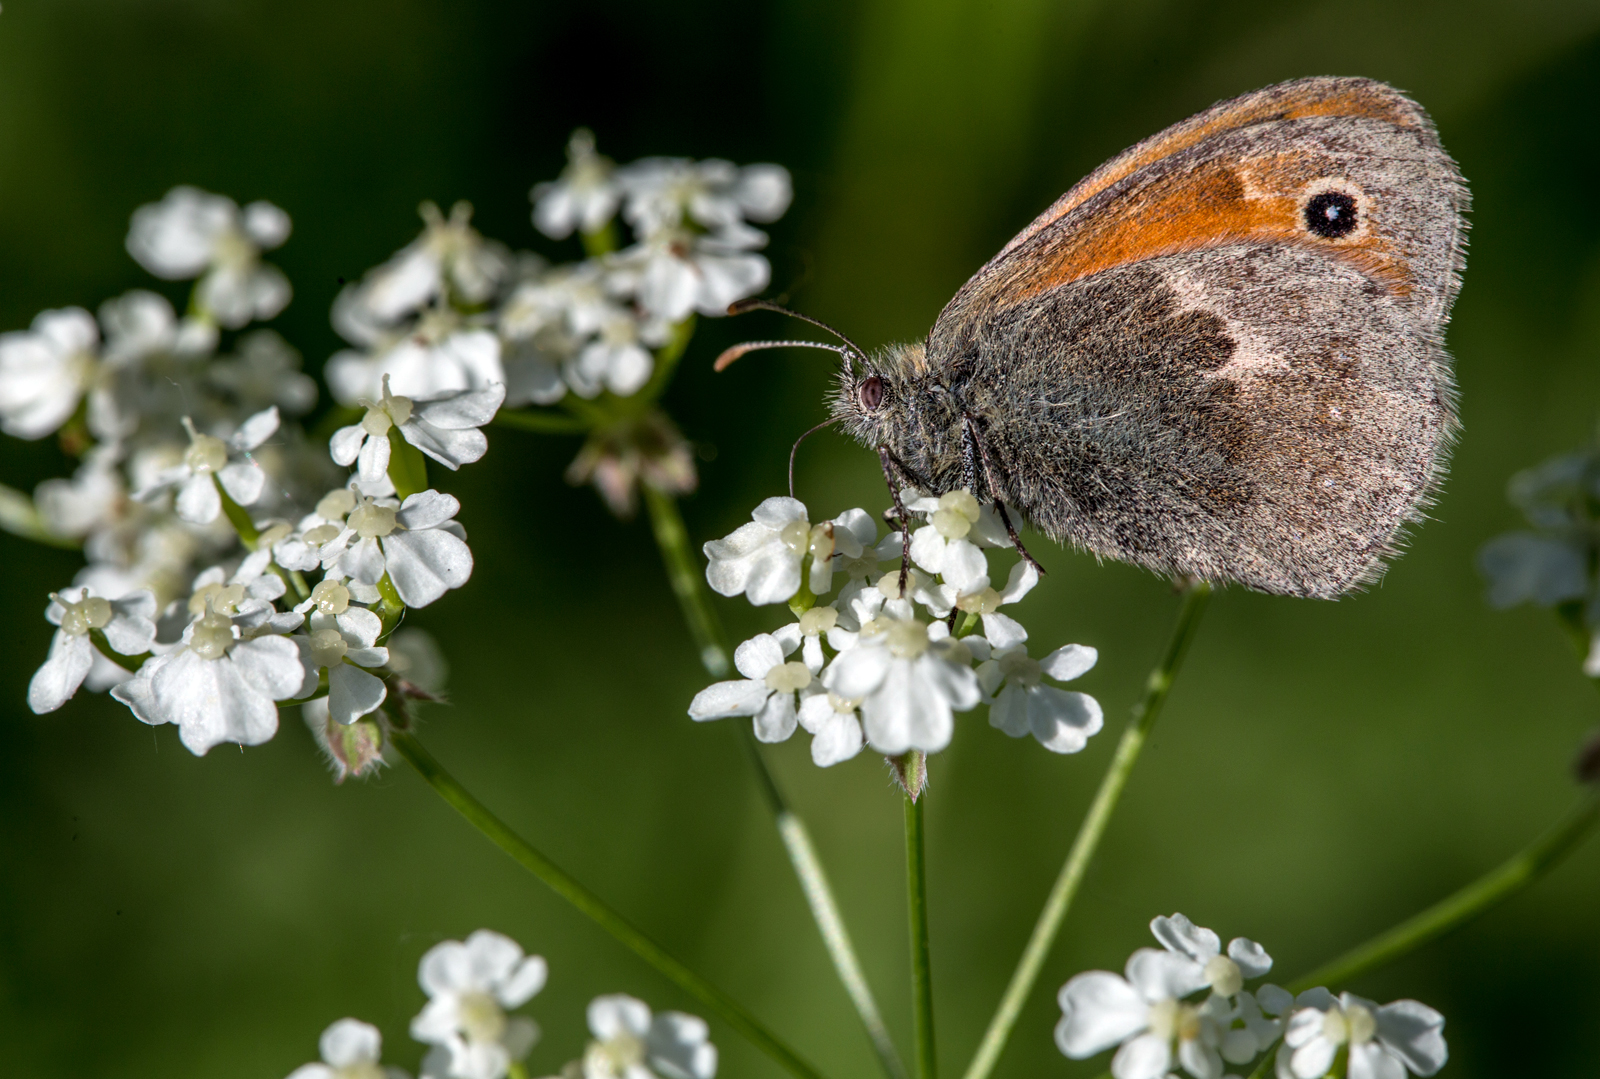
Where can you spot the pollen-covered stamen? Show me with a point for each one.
(221, 598)
(482, 1018)
(388, 411)
(1222, 973)
(818, 620)
(328, 647)
(957, 513)
(206, 453)
(907, 638)
(211, 636)
(371, 520)
(330, 597)
(91, 612)
(796, 535)
(788, 677)
(335, 504)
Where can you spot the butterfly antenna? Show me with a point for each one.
(796, 447)
(755, 304)
(731, 354)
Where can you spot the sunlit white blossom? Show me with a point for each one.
(1062, 720)
(909, 677)
(441, 356)
(584, 198)
(767, 691)
(45, 370)
(223, 679)
(210, 461)
(1145, 1012)
(675, 273)
(443, 427)
(661, 192)
(1382, 1042)
(192, 233)
(416, 543)
(350, 1049)
(470, 987)
(342, 644)
(129, 629)
(631, 1043)
(764, 559)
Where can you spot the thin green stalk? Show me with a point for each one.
(541, 422)
(566, 886)
(921, 966)
(1090, 832)
(824, 910)
(1483, 894)
(19, 517)
(684, 576)
(237, 516)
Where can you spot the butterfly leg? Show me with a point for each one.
(976, 448)
(893, 470)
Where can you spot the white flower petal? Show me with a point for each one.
(372, 460)
(423, 565)
(755, 657)
(1069, 662)
(1021, 581)
(1373, 1061)
(837, 737)
(1415, 1033)
(243, 480)
(427, 509)
(616, 1014)
(1003, 631)
(1009, 712)
(524, 982)
(1144, 1057)
(776, 512)
(1099, 1010)
(54, 683)
(450, 448)
(255, 430)
(1178, 934)
(858, 672)
(350, 1041)
(1160, 975)
(198, 501)
(353, 693)
(1251, 957)
(724, 699)
(1063, 721)
(776, 720)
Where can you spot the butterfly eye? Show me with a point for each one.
(1331, 214)
(871, 393)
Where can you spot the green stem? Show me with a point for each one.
(391, 608)
(921, 967)
(564, 885)
(544, 423)
(1090, 832)
(408, 468)
(1483, 894)
(237, 516)
(687, 584)
(19, 516)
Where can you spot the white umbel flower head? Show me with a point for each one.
(443, 427)
(768, 689)
(342, 644)
(1063, 721)
(210, 460)
(584, 198)
(45, 370)
(909, 677)
(631, 1043)
(1384, 1042)
(128, 627)
(222, 682)
(1145, 1012)
(470, 987)
(350, 1049)
(192, 233)
(416, 543)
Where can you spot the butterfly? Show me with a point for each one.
(1219, 356)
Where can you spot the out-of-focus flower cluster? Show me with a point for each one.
(890, 659)
(473, 989)
(1555, 562)
(455, 311)
(236, 563)
(1184, 1006)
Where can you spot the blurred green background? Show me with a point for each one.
(1323, 769)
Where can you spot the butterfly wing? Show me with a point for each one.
(1221, 352)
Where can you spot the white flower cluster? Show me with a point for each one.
(902, 661)
(453, 311)
(473, 985)
(233, 565)
(1184, 1005)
